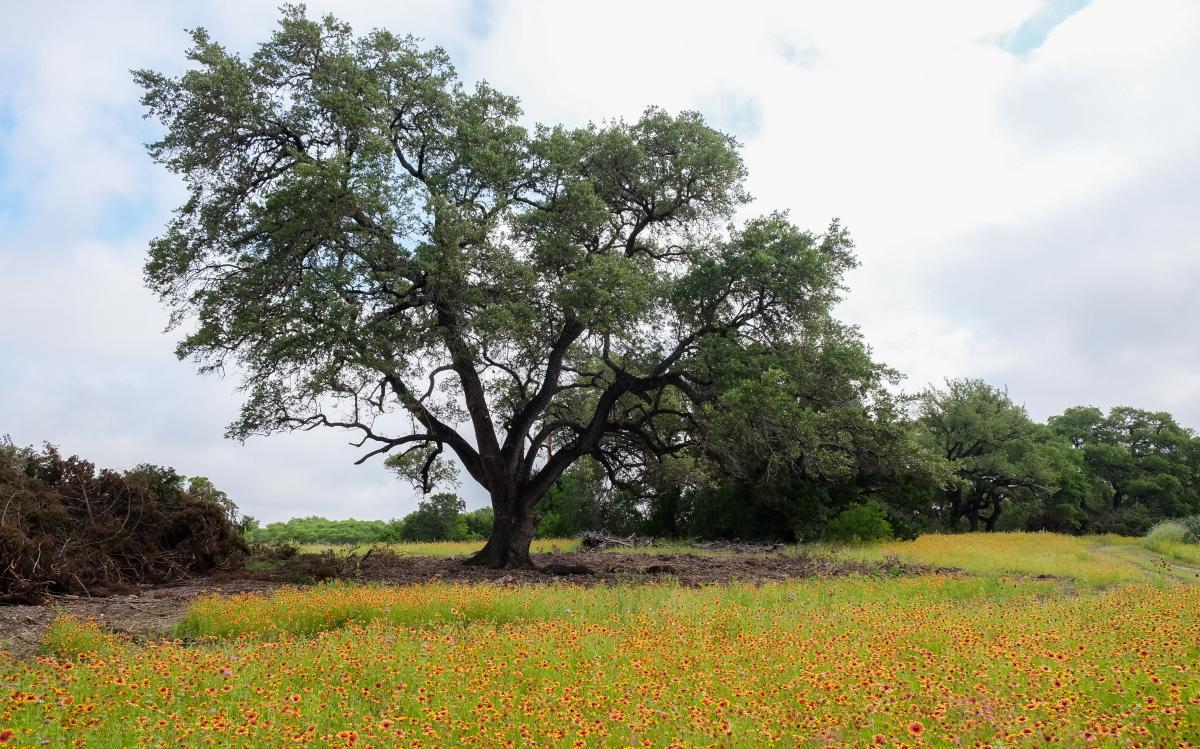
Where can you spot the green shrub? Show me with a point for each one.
(1132, 520)
(1177, 530)
(860, 523)
(1171, 530)
(479, 522)
(1192, 523)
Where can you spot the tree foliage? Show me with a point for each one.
(319, 530)
(1140, 466)
(364, 235)
(438, 518)
(999, 457)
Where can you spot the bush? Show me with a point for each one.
(437, 518)
(1192, 523)
(860, 523)
(1171, 530)
(67, 528)
(1131, 520)
(1180, 530)
(479, 522)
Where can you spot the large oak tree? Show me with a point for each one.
(1134, 459)
(379, 248)
(998, 456)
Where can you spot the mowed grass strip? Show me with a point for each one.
(936, 661)
(1178, 551)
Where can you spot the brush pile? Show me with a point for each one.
(67, 528)
(599, 541)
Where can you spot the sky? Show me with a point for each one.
(1022, 179)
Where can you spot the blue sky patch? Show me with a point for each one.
(803, 55)
(479, 18)
(122, 216)
(10, 198)
(1033, 32)
(736, 114)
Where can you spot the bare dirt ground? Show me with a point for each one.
(150, 612)
(146, 614)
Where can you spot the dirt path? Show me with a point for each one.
(147, 614)
(1153, 564)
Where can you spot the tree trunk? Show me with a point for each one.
(989, 523)
(513, 525)
(990, 520)
(973, 519)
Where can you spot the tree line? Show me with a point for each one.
(973, 460)
(960, 457)
(439, 517)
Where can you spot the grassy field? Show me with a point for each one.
(998, 657)
(1089, 560)
(1188, 554)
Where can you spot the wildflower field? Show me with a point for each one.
(956, 659)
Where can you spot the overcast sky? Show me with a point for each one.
(1022, 178)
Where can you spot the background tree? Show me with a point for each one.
(437, 518)
(802, 434)
(999, 457)
(319, 530)
(479, 522)
(364, 235)
(1140, 466)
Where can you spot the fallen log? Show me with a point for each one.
(597, 541)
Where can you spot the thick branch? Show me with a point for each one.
(440, 431)
(474, 394)
(526, 416)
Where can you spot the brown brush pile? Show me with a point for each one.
(66, 528)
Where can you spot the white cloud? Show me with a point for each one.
(1027, 218)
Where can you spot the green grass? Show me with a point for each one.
(1178, 551)
(308, 611)
(1085, 559)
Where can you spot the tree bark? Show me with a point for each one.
(507, 547)
(990, 521)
